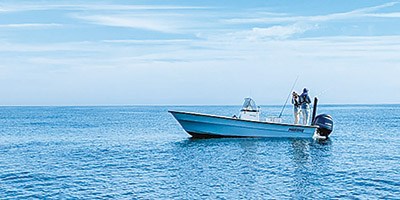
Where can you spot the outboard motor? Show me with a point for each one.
(323, 121)
(325, 124)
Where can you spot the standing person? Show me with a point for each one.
(305, 101)
(296, 106)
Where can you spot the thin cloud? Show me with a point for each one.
(384, 15)
(280, 32)
(20, 8)
(370, 9)
(28, 25)
(301, 24)
(148, 41)
(138, 7)
(336, 16)
(147, 23)
(67, 46)
(271, 13)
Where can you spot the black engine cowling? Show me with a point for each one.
(325, 124)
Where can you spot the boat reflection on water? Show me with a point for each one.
(250, 167)
(309, 160)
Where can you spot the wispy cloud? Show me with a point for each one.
(148, 23)
(280, 32)
(292, 25)
(359, 47)
(373, 8)
(147, 17)
(27, 7)
(148, 41)
(363, 12)
(28, 25)
(65, 46)
(384, 15)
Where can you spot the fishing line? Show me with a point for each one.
(284, 105)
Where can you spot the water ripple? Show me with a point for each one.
(142, 153)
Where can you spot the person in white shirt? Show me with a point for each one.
(296, 106)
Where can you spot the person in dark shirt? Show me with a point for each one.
(305, 102)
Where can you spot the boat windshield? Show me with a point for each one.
(249, 105)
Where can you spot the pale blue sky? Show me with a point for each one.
(198, 52)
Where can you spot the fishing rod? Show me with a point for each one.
(284, 105)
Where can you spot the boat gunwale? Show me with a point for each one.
(244, 120)
(237, 126)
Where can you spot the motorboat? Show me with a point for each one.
(248, 124)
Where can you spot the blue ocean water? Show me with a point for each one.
(140, 152)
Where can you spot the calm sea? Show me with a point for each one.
(140, 152)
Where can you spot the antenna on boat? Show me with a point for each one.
(290, 92)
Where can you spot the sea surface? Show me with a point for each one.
(141, 152)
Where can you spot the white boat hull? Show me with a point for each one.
(202, 125)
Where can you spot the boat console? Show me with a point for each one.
(250, 111)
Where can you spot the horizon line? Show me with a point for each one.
(184, 105)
